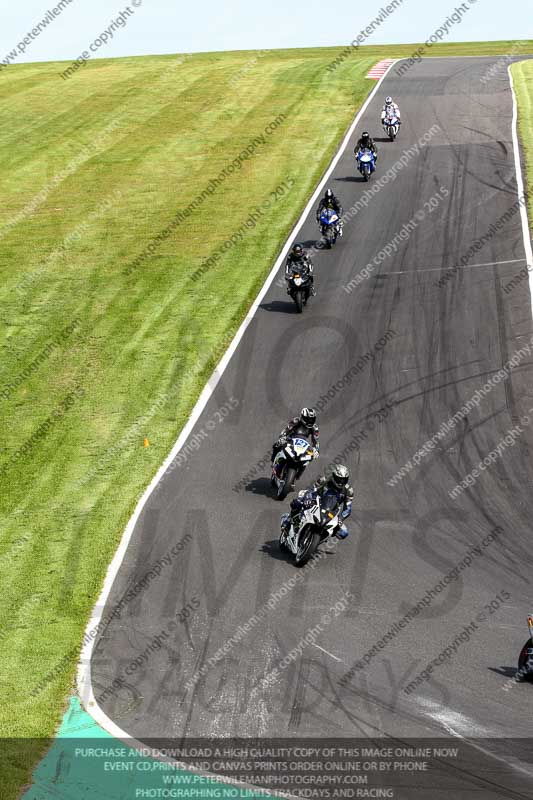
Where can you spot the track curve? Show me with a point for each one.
(448, 341)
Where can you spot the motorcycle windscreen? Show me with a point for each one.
(330, 502)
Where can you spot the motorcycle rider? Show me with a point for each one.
(528, 666)
(337, 482)
(330, 201)
(526, 669)
(306, 420)
(390, 109)
(366, 143)
(299, 261)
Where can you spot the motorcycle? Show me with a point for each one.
(299, 288)
(290, 463)
(392, 126)
(319, 521)
(366, 161)
(329, 226)
(525, 659)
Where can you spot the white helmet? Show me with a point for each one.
(388, 101)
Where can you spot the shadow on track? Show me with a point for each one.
(351, 179)
(272, 549)
(260, 486)
(505, 672)
(312, 243)
(279, 306)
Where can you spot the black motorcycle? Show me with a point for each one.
(299, 287)
(525, 659)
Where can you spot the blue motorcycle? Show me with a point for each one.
(366, 161)
(329, 226)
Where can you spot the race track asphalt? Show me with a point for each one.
(446, 343)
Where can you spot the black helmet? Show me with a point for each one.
(308, 417)
(329, 194)
(365, 135)
(340, 475)
(298, 250)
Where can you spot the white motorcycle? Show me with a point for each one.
(320, 519)
(392, 126)
(290, 463)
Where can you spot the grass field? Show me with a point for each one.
(107, 339)
(523, 83)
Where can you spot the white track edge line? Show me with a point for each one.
(84, 684)
(521, 190)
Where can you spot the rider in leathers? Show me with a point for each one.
(390, 109)
(307, 421)
(330, 201)
(366, 143)
(338, 482)
(299, 261)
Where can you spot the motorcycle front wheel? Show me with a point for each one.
(281, 491)
(298, 299)
(308, 542)
(288, 480)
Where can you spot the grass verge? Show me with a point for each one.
(523, 83)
